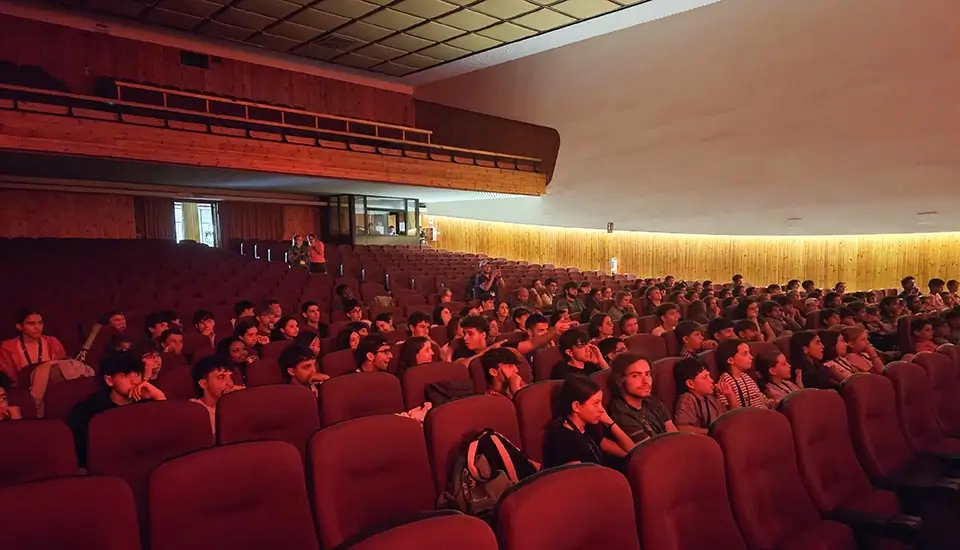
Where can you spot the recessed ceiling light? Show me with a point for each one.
(794, 220)
(929, 213)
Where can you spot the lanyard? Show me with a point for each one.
(785, 387)
(743, 400)
(23, 348)
(594, 449)
(704, 407)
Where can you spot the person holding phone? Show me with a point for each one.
(318, 261)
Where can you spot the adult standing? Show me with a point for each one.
(318, 261)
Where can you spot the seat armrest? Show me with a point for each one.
(902, 528)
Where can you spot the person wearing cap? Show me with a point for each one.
(810, 305)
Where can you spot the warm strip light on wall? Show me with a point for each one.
(861, 261)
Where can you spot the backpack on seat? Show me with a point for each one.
(490, 465)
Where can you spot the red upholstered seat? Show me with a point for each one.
(534, 405)
(61, 397)
(535, 513)
(368, 473)
(263, 373)
(943, 373)
(433, 532)
(359, 394)
(449, 426)
(416, 379)
(75, 513)
(758, 467)
(664, 387)
(543, 362)
(176, 382)
(248, 496)
(339, 362)
(281, 412)
(915, 410)
(274, 349)
(677, 476)
(35, 449)
(652, 347)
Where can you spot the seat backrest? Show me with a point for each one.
(535, 513)
(339, 362)
(653, 347)
(451, 425)
(359, 394)
(416, 379)
(274, 349)
(544, 360)
(62, 396)
(534, 405)
(35, 449)
(246, 496)
(263, 373)
(130, 442)
(758, 467)
(282, 412)
(81, 513)
(670, 343)
(915, 403)
(176, 382)
(675, 477)
(366, 473)
(432, 532)
(825, 456)
(944, 377)
(874, 426)
(664, 387)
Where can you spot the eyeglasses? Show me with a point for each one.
(385, 350)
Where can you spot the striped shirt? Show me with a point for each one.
(746, 391)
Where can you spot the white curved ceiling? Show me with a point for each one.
(735, 117)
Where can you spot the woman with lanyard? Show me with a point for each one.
(31, 347)
(581, 430)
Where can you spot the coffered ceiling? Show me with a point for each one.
(389, 37)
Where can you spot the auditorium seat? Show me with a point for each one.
(264, 373)
(417, 379)
(368, 473)
(915, 410)
(670, 343)
(760, 461)
(176, 382)
(359, 394)
(450, 426)
(664, 387)
(534, 404)
(828, 466)
(339, 363)
(129, 442)
(652, 347)
(543, 361)
(69, 513)
(536, 513)
(62, 396)
(282, 412)
(273, 350)
(35, 449)
(676, 477)
(435, 531)
(246, 496)
(944, 377)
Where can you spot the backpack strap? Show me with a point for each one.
(497, 440)
(472, 459)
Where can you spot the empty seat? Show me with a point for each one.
(451, 425)
(759, 467)
(534, 404)
(367, 473)
(416, 379)
(359, 394)
(176, 382)
(435, 531)
(653, 347)
(273, 350)
(282, 412)
(70, 513)
(35, 449)
(535, 513)
(263, 373)
(61, 397)
(544, 360)
(664, 387)
(339, 362)
(915, 410)
(129, 442)
(675, 477)
(243, 496)
(944, 377)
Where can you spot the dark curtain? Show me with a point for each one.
(247, 220)
(154, 217)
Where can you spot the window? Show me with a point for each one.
(196, 221)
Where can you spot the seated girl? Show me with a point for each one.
(860, 352)
(834, 355)
(777, 378)
(581, 430)
(922, 331)
(806, 354)
(735, 360)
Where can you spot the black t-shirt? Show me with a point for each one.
(563, 369)
(79, 420)
(563, 445)
(461, 352)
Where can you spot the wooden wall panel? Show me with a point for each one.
(461, 128)
(66, 215)
(300, 219)
(862, 261)
(79, 57)
(51, 133)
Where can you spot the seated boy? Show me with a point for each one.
(7, 411)
(747, 331)
(698, 405)
(922, 331)
(121, 384)
(669, 315)
(373, 354)
(690, 338)
(500, 370)
(721, 329)
(298, 365)
(212, 379)
(829, 318)
(952, 318)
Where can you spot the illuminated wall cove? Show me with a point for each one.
(862, 261)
